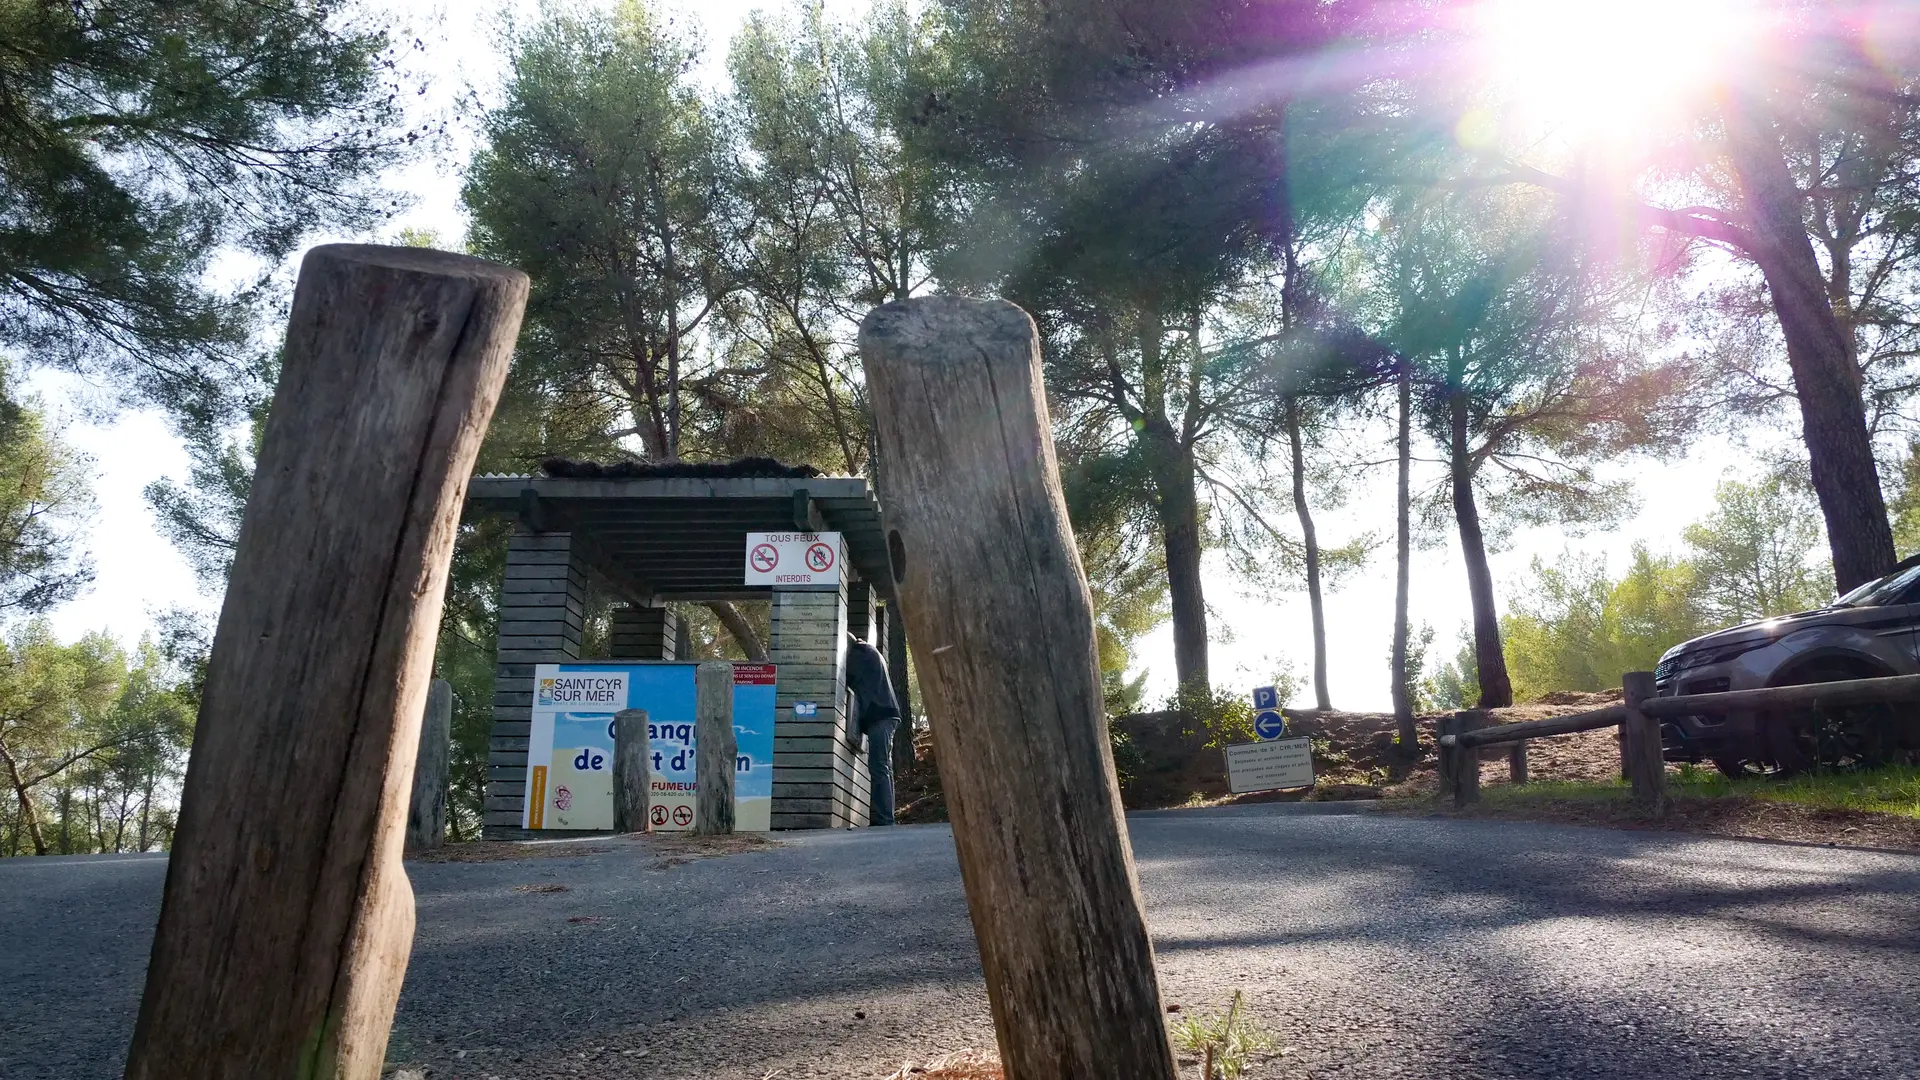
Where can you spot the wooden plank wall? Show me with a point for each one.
(819, 780)
(542, 608)
(860, 610)
(642, 633)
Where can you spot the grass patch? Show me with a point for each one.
(1873, 808)
(1894, 789)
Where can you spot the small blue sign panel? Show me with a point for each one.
(1266, 697)
(806, 708)
(1269, 724)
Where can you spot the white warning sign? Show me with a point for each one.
(794, 558)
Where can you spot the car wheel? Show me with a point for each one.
(1831, 738)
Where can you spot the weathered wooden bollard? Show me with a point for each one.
(714, 748)
(632, 772)
(1641, 760)
(427, 813)
(287, 917)
(1460, 765)
(1001, 628)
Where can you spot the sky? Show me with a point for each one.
(138, 572)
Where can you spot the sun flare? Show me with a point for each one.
(1600, 69)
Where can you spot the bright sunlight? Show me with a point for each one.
(1598, 70)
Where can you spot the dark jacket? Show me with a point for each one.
(867, 678)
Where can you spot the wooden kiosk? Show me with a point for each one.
(651, 540)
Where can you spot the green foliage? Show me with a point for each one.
(1751, 557)
(44, 500)
(1904, 507)
(838, 212)
(1577, 629)
(1225, 1042)
(1419, 642)
(145, 135)
(1455, 684)
(1753, 554)
(202, 516)
(92, 743)
(1226, 719)
(602, 176)
(1117, 534)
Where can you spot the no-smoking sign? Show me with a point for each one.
(764, 558)
(794, 559)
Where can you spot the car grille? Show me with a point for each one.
(1705, 686)
(1664, 670)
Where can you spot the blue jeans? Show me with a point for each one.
(879, 731)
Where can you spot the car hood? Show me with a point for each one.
(1761, 630)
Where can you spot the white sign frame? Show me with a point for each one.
(790, 559)
(1271, 765)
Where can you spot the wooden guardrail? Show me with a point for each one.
(1464, 733)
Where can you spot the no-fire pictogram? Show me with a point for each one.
(683, 815)
(819, 558)
(659, 815)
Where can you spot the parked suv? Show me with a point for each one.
(1872, 631)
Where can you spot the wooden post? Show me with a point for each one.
(1466, 761)
(287, 918)
(427, 814)
(1517, 762)
(1001, 627)
(1448, 764)
(1460, 765)
(632, 771)
(714, 748)
(1641, 760)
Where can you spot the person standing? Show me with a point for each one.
(877, 714)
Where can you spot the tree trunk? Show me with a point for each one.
(1172, 467)
(146, 814)
(1833, 419)
(1403, 561)
(739, 629)
(25, 796)
(1311, 542)
(1496, 691)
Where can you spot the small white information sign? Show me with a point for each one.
(794, 558)
(1263, 766)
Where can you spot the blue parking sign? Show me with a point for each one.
(1269, 724)
(1266, 697)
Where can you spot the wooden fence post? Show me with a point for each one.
(1641, 760)
(287, 917)
(1001, 628)
(1448, 757)
(632, 771)
(1517, 762)
(1466, 775)
(1460, 765)
(427, 814)
(714, 748)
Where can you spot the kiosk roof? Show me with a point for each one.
(684, 538)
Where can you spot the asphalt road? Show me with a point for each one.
(1373, 946)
